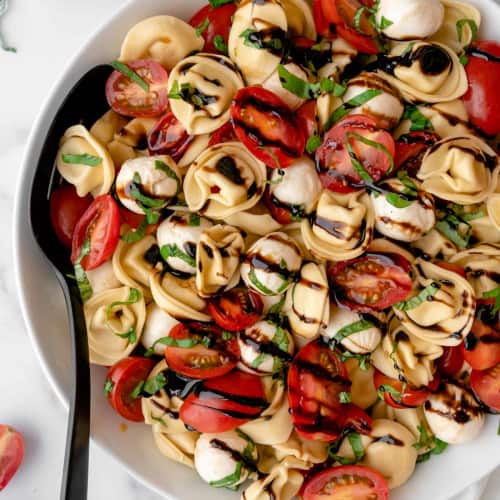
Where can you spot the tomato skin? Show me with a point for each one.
(451, 361)
(169, 137)
(481, 100)
(410, 149)
(486, 386)
(356, 283)
(128, 98)
(186, 361)
(307, 115)
(11, 454)
(135, 220)
(278, 213)
(346, 482)
(320, 20)
(236, 309)
(410, 397)
(124, 377)
(219, 24)
(66, 208)
(267, 127)
(450, 266)
(222, 134)
(101, 223)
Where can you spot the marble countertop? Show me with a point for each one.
(46, 33)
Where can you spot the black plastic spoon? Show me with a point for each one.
(84, 104)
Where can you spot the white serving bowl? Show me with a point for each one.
(45, 314)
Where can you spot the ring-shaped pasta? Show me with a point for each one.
(257, 220)
(178, 447)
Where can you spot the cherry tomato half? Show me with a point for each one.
(337, 172)
(398, 395)
(11, 454)
(101, 223)
(451, 361)
(169, 137)
(486, 386)
(223, 134)
(410, 149)
(224, 403)
(128, 98)
(483, 73)
(66, 208)
(207, 354)
(320, 21)
(122, 379)
(267, 127)
(236, 309)
(135, 220)
(373, 281)
(346, 482)
(307, 115)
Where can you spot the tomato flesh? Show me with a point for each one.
(486, 386)
(223, 134)
(410, 149)
(169, 137)
(451, 361)
(401, 396)
(279, 212)
(11, 454)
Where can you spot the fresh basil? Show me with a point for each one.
(171, 342)
(449, 227)
(161, 165)
(345, 397)
(259, 360)
(313, 143)
(357, 18)
(229, 481)
(108, 387)
(276, 308)
(130, 336)
(144, 201)
(464, 60)
(227, 335)
(358, 167)
(374, 144)
(137, 234)
(281, 339)
(202, 26)
(130, 74)
(435, 445)
(363, 359)
(257, 40)
(472, 25)
(136, 392)
(425, 294)
(273, 155)
(194, 220)
(357, 326)
(173, 250)
(257, 284)
(411, 188)
(147, 388)
(218, 3)
(220, 44)
(397, 201)
(357, 447)
(389, 389)
(418, 120)
(493, 294)
(134, 297)
(385, 23)
(80, 275)
(83, 159)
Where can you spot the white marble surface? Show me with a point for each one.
(46, 33)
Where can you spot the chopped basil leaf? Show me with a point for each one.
(229, 481)
(357, 19)
(493, 294)
(161, 165)
(81, 276)
(108, 387)
(256, 39)
(374, 144)
(130, 336)
(133, 297)
(363, 359)
(218, 3)
(313, 143)
(385, 23)
(146, 201)
(173, 250)
(282, 264)
(345, 397)
(175, 91)
(194, 220)
(365, 176)
(280, 339)
(411, 187)
(464, 60)
(83, 159)
(136, 392)
(276, 308)
(357, 326)
(130, 74)
(220, 44)
(227, 335)
(202, 26)
(171, 342)
(397, 201)
(187, 93)
(388, 388)
(135, 235)
(418, 120)
(155, 384)
(258, 360)
(472, 216)
(425, 441)
(248, 452)
(472, 25)
(357, 447)
(257, 284)
(498, 430)
(425, 294)
(449, 227)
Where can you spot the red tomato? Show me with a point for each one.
(236, 309)
(213, 359)
(329, 10)
(410, 149)
(486, 386)
(135, 220)
(450, 266)
(397, 395)
(348, 10)
(451, 361)
(373, 281)
(267, 127)
(222, 134)
(315, 380)
(11, 453)
(483, 73)
(363, 43)
(101, 223)
(337, 172)
(169, 137)
(128, 98)
(346, 482)
(278, 211)
(224, 403)
(219, 24)
(307, 115)
(66, 208)
(122, 379)
(322, 25)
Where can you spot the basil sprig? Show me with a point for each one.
(418, 120)
(345, 397)
(181, 343)
(435, 445)
(108, 387)
(397, 395)
(363, 359)
(147, 388)
(257, 284)
(313, 143)
(147, 204)
(425, 294)
(130, 74)
(83, 159)
(357, 326)
(220, 44)
(357, 447)
(407, 195)
(161, 165)
(136, 234)
(173, 250)
(257, 40)
(80, 275)
(357, 165)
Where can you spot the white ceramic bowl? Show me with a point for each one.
(45, 315)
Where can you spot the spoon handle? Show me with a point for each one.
(76, 460)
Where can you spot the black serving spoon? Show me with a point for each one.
(83, 104)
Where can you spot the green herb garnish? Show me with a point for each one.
(472, 25)
(425, 294)
(83, 159)
(194, 220)
(147, 388)
(357, 326)
(218, 3)
(435, 445)
(345, 397)
(385, 23)
(80, 275)
(418, 120)
(363, 359)
(134, 296)
(171, 342)
(389, 389)
(374, 144)
(397, 201)
(202, 26)
(313, 143)
(257, 284)
(493, 294)
(365, 176)
(257, 40)
(136, 234)
(161, 165)
(108, 387)
(357, 447)
(130, 74)
(173, 250)
(220, 44)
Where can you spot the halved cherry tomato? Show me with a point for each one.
(483, 73)
(337, 172)
(11, 454)
(267, 127)
(373, 281)
(450, 266)
(315, 380)
(236, 309)
(101, 223)
(349, 9)
(135, 220)
(307, 115)
(210, 354)
(221, 404)
(216, 22)
(399, 395)
(278, 212)
(410, 149)
(346, 482)
(329, 10)
(451, 361)
(486, 386)
(223, 134)
(66, 208)
(128, 98)
(320, 21)
(121, 380)
(169, 137)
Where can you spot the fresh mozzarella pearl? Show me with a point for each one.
(274, 251)
(255, 360)
(273, 84)
(453, 414)
(103, 278)
(360, 342)
(411, 19)
(179, 230)
(213, 463)
(299, 185)
(158, 325)
(404, 224)
(155, 182)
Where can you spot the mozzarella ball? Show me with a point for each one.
(103, 277)
(263, 346)
(182, 231)
(216, 456)
(403, 223)
(411, 19)
(273, 83)
(361, 342)
(299, 187)
(453, 414)
(158, 178)
(158, 324)
(271, 263)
